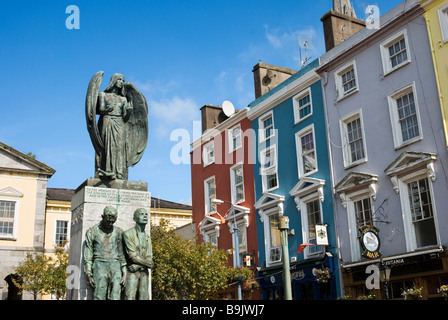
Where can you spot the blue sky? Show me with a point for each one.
(180, 54)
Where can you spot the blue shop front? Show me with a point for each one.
(310, 280)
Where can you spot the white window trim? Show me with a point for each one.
(338, 80)
(384, 50)
(232, 182)
(295, 103)
(55, 229)
(242, 225)
(443, 20)
(12, 195)
(267, 236)
(409, 231)
(304, 218)
(16, 219)
(344, 138)
(351, 198)
(273, 168)
(299, 135)
(394, 119)
(207, 196)
(208, 233)
(261, 129)
(232, 148)
(205, 159)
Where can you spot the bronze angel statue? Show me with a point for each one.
(120, 134)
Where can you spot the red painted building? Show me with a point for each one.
(222, 168)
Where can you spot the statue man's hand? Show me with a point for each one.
(133, 268)
(90, 281)
(123, 277)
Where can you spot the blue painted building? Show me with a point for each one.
(293, 178)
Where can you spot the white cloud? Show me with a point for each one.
(174, 110)
(171, 113)
(286, 44)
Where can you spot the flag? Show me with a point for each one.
(303, 246)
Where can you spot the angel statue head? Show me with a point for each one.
(121, 133)
(116, 84)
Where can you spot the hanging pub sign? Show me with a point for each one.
(321, 235)
(370, 242)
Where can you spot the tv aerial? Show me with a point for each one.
(304, 62)
(228, 108)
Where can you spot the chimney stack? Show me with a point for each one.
(211, 116)
(268, 76)
(340, 23)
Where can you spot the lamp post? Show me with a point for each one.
(236, 252)
(385, 277)
(283, 225)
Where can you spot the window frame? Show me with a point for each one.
(443, 21)
(340, 92)
(209, 207)
(351, 199)
(409, 228)
(262, 130)
(273, 168)
(394, 116)
(206, 154)
(233, 184)
(209, 234)
(385, 56)
(56, 230)
(296, 105)
(304, 201)
(346, 149)
(268, 237)
(232, 146)
(13, 235)
(300, 163)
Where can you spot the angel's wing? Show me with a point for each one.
(91, 102)
(137, 125)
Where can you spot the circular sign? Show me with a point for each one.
(370, 241)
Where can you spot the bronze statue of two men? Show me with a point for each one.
(117, 263)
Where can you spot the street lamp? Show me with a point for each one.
(236, 260)
(283, 226)
(385, 277)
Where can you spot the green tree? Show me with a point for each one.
(183, 269)
(42, 274)
(33, 273)
(57, 274)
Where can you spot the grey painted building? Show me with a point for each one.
(388, 154)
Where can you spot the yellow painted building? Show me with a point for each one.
(177, 214)
(436, 16)
(57, 217)
(23, 188)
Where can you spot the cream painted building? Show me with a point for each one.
(23, 188)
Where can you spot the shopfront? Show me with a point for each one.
(426, 269)
(310, 280)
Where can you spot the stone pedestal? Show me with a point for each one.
(88, 204)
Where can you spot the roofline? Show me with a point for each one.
(43, 168)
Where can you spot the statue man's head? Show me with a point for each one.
(141, 216)
(109, 216)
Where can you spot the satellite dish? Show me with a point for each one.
(228, 108)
